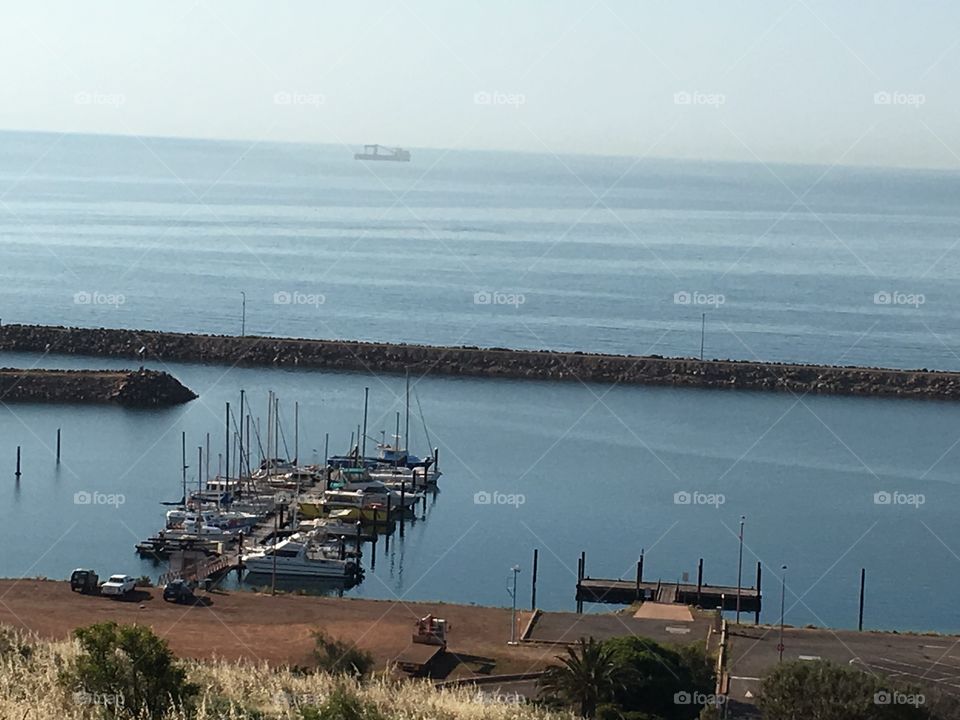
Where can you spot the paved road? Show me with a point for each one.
(926, 660)
(569, 627)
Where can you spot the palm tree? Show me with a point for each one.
(586, 676)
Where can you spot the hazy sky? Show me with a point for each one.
(788, 81)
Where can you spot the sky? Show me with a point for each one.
(805, 81)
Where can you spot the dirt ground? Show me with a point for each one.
(277, 629)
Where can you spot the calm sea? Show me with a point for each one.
(835, 265)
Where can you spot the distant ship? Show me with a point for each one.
(382, 152)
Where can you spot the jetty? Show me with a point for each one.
(637, 590)
(131, 388)
(396, 358)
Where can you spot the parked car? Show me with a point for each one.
(178, 591)
(118, 585)
(84, 581)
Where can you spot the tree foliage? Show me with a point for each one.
(129, 665)
(802, 690)
(336, 656)
(585, 677)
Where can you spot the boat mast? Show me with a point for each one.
(296, 433)
(240, 467)
(227, 438)
(183, 469)
(396, 443)
(363, 441)
(406, 423)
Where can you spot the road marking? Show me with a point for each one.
(743, 677)
(809, 657)
(936, 647)
(677, 630)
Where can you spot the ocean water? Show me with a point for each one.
(835, 265)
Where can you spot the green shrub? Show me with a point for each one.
(126, 668)
(342, 658)
(342, 705)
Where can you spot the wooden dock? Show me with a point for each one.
(626, 592)
(700, 594)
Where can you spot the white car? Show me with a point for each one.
(118, 585)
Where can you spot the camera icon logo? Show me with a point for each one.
(82, 497)
(882, 498)
(482, 498)
(282, 298)
(483, 297)
(682, 498)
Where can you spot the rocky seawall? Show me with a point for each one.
(144, 388)
(478, 362)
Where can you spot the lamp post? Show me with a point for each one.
(783, 593)
(243, 315)
(743, 519)
(513, 614)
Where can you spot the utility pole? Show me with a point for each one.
(513, 615)
(783, 594)
(743, 519)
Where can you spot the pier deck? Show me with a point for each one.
(624, 592)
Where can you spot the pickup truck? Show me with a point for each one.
(118, 585)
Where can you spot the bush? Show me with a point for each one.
(128, 668)
(658, 674)
(336, 656)
(342, 705)
(826, 691)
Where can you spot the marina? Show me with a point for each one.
(277, 518)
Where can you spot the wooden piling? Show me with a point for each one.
(403, 504)
(640, 568)
(637, 591)
(58, 446)
(756, 619)
(18, 463)
(699, 581)
(533, 581)
(863, 580)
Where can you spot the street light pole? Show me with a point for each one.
(783, 593)
(513, 615)
(743, 519)
(243, 316)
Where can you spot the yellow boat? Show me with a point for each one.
(311, 510)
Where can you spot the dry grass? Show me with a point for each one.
(30, 689)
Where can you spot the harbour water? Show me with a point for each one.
(166, 234)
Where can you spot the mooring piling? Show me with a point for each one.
(18, 463)
(863, 580)
(58, 446)
(533, 580)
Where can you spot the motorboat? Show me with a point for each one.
(298, 556)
